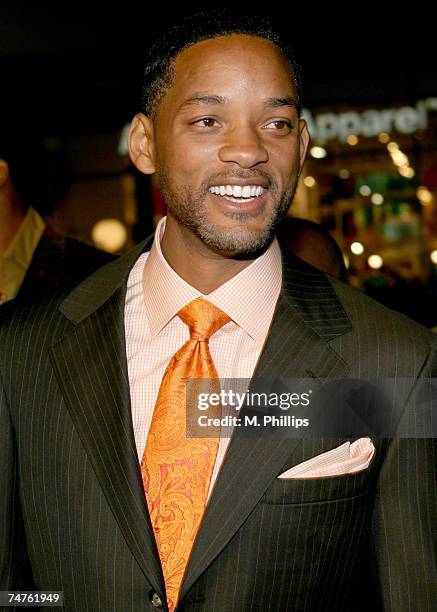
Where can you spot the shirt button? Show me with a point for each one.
(156, 601)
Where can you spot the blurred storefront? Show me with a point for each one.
(371, 180)
(108, 203)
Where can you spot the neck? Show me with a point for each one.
(12, 215)
(201, 267)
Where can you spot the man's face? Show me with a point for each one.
(228, 143)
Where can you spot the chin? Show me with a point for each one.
(241, 244)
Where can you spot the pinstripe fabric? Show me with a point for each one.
(70, 476)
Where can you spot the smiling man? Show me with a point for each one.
(227, 144)
(106, 496)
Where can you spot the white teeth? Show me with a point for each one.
(239, 200)
(238, 191)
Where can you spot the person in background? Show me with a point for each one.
(33, 255)
(311, 242)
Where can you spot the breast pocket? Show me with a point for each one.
(326, 489)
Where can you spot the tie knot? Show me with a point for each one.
(203, 318)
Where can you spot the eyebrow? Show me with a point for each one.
(198, 99)
(277, 102)
(207, 99)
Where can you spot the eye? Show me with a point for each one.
(280, 125)
(206, 122)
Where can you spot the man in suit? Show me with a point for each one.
(33, 255)
(81, 373)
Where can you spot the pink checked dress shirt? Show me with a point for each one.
(155, 293)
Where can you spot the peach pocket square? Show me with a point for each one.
(349, 458)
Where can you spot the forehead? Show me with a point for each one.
(232, 61)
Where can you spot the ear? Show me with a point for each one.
(4, 172)
(141, 144)
(304, 137)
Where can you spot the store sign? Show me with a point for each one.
(338, 126)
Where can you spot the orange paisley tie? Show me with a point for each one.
(176, 470)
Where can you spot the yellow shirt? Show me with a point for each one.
(16, 260)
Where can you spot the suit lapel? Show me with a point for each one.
(90, 365)
(297, 347)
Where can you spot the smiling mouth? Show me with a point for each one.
(238, 194)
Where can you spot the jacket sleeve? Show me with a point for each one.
(15, 571)
(405, 514)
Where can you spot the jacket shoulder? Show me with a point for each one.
(360, 306)
(383, 336)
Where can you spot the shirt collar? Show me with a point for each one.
(22, 247)
(249, 298)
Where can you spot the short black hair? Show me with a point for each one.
(195, 28)
(39, 175)
(23, 157)
(313, 243)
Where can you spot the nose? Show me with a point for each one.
(244, 147)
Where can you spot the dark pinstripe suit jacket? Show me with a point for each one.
(72, 510)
